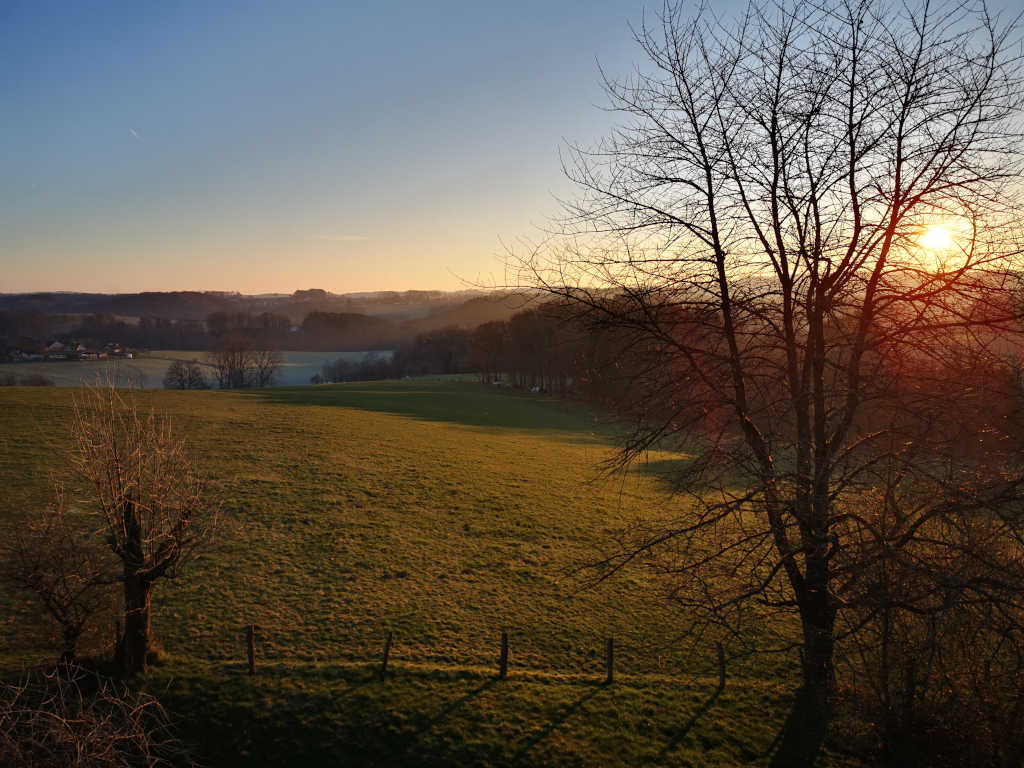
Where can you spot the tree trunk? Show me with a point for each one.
(71, 635)
(135, 644)
(805, 727)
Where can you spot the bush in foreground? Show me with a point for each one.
(73, 717)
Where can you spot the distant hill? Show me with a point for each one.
(191, 305)
(306, 319)
(400, 306)
(474, 311)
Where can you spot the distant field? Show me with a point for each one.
(445, 512)
(148, 369)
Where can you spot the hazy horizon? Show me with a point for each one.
(231, 292)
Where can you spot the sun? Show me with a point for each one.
(936, 238)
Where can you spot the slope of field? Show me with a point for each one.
(443, 512)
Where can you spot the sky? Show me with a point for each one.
(270, 146)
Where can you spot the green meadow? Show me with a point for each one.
(446, 513)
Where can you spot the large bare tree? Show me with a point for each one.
(801, 249)
(147, 491)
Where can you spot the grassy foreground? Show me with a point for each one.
(443, 512)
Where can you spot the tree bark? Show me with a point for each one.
(135, 644)
(805, 728)
(71, 635)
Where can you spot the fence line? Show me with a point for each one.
(503, 659)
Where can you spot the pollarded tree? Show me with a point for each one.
(148, 493)
(804, 236)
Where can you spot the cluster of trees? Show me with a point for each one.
(372, 367)
(182, 374)
(235, 362)
(541, 348)
(149, 332)
(24, 328)
(29, 331)
(264, 328)
(439, 352)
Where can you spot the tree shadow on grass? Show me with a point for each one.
(464, 403)
(403, 746)
(683, 732)
(559, 720)
(680, 473)
(670, 474)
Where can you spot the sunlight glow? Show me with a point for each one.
(936, 238)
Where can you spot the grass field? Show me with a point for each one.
(148, 368)
(444, 512)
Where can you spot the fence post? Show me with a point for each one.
(503, 666)
(387, 653)
(250, 640)
(609, 659)
(721, 666)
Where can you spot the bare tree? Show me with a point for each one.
(184, 375)
(239, 363)
(805, 233)
(66, 569)
(231, 358)
(265, 365)
(146, 490)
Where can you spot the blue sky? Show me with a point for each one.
(265, 146)
(269, 146)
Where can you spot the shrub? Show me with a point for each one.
(71, 716)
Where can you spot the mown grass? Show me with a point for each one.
(444, 512)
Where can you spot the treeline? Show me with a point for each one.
(540, 348)
(303, 325)
(31, 332)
